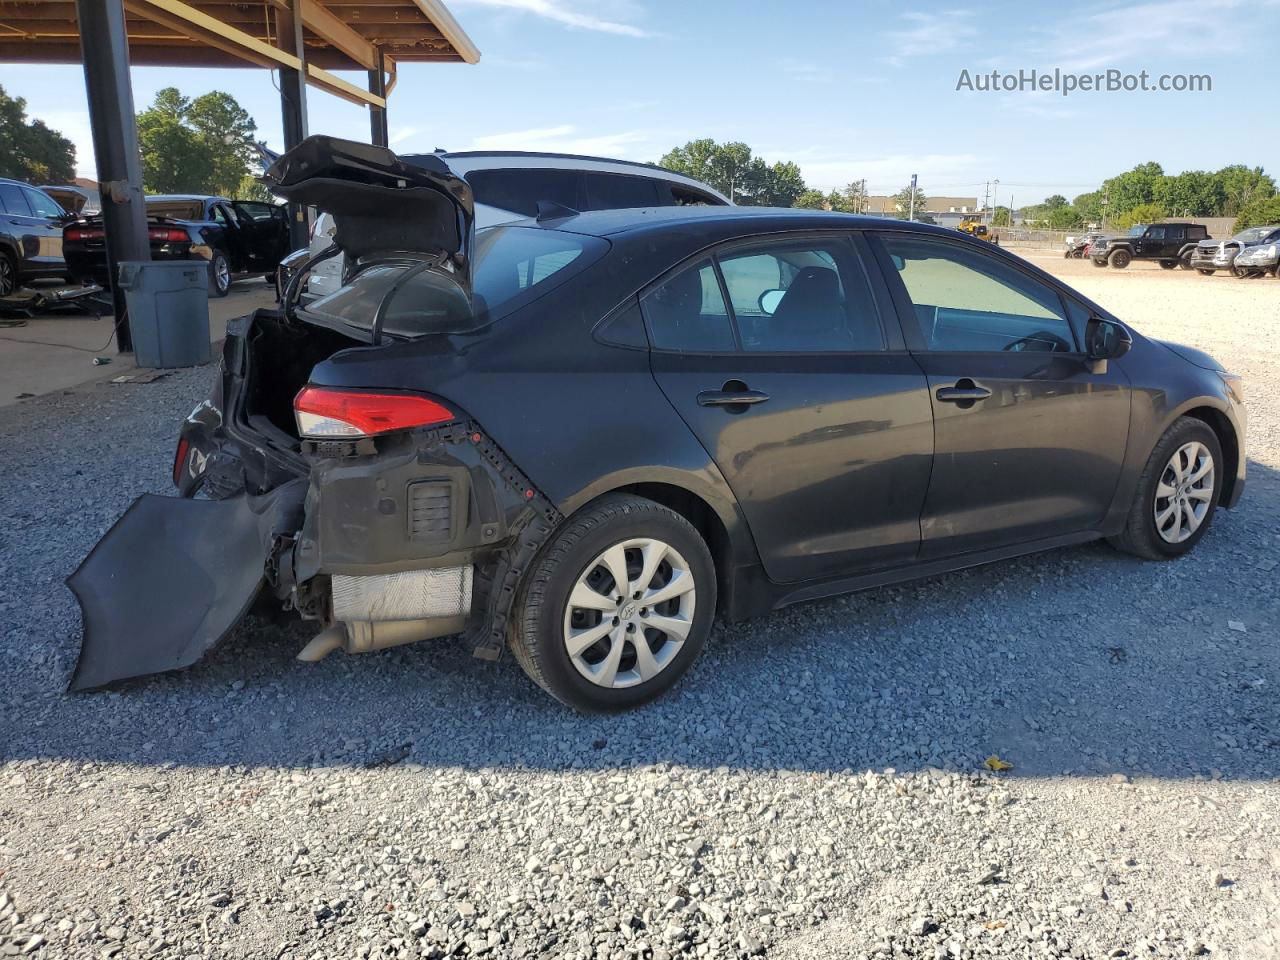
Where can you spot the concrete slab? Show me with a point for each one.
(55, 353)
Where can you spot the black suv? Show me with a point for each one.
(586, 436)
(1170, 244)
(236, 237)
(30, 236)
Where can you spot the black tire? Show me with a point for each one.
(538, 621)
(1185, 261)
(1204, 272)
(219, 275)
(1168, 264)
(1120, 259)
(1140, 536)
(8, 273)
(1098, 263)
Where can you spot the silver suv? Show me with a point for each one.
(509, 185)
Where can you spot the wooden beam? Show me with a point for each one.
(200, 26)
(334, 84)
(436, 12)
(324, 24)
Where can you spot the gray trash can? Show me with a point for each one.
(168, 304)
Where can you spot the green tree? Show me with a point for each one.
(1258, 213)
(1054, 202)
(1193, 193)
(1142, 213)
(205, 145)
(30, 150)
(1064, 217)
(733, 170)
(812, 200)
(1003, 217)
(1132, 188)
(902, 201)
(1089, 206)
(1241, 186)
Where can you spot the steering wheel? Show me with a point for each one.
(1022, 344)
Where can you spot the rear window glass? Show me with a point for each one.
(512, 266)
(520, 190)
(612, 191)
(176, 209)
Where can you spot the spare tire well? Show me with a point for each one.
(1217, 422)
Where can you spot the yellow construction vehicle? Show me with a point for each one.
(974, 227)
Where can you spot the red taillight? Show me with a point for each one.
(168, 235)
(324, 413)
(83, 233)
(180, 460)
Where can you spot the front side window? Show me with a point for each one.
(1157, 233)
(42, 205)
(687, 313)
(12, 201)
(801, 297)
(968, 301)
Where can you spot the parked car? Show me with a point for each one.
(589, 436)
(237, 238)
(1169, 244)
(1210, 256)
(73, 199)
(1259, 259)
(30, 236)
(1076, 247)
(508, 185)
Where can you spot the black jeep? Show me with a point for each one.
(1170, 244)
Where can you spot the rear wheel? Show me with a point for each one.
(8, 274)
(1168, 264)
(1177, 493)
(617, 605)
(1120, 259)
(219, 275)
(1203, 272)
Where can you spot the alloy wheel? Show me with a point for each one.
(629, 613)
(1184, 492)
(222, 273)
(8, 280)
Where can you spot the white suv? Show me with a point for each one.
(509, 185)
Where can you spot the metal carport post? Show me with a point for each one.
(104, 46)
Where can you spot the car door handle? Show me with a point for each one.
(965, 391)
(730, 398)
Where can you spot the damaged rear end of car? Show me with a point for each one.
(385, 515)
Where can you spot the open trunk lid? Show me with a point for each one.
(383, 208)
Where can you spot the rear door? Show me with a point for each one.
(1028, 441)
(266, 230)
(233, 237)
(778, 355)
(22, 225)
(47, 219)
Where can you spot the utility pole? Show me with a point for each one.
(995, 193)
(986, 196)
(862, 197)
(912, 215)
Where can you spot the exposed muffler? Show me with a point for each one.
(373, 613)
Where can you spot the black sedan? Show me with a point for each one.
(236, 238)
(586, 436)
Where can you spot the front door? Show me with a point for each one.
(1028, 442)
(266, 230)
(775, 355)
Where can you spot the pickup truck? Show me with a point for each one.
(1169, 244)
(236, 237)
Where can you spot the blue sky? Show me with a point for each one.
(845, 89)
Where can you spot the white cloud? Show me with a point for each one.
(1117, 34)
(564, 139)
(929, 34)
(563, 13)
(401, 134)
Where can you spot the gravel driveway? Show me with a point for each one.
(813, 789)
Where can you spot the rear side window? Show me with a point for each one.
(12, 201)
(613, 191)
(1197, 233)
(520, 190)
(42, 205)
(687, 313)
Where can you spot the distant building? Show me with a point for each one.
(888, 206)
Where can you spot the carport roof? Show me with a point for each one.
(337, 34)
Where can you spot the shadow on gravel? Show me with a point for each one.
(1079, 661)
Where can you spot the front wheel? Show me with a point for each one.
(219, 275)
(1185, 261)
(1120, 259)
(616, 606)
(1177, 493)
(8, 274)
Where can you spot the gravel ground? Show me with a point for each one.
(813, 789)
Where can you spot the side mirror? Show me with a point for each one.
(769, 301)
(1105, 340)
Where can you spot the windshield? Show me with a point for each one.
(513, 266)
(1252, 235)
(176, 209)
(1137, 229)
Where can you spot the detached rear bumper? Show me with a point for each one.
(172, 577)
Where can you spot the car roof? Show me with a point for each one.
(605, 223)
(466, 161)
(181, 196)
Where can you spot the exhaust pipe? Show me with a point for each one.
(365, 636)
